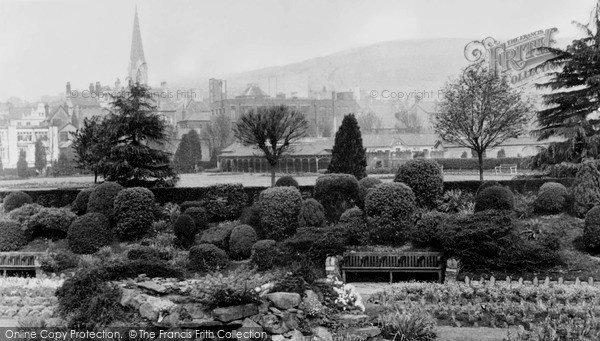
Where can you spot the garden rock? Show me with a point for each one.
(273, 325)
(353, 320)
(250, 326)
(200, 323)
(295, 335)
(290, 321)
(153, 306)
(153, 287)
(228, 314)
(361, 333)
(196, 311)
(284, 300)
(321, 334)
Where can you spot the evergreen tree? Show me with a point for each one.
(22, 170)
(137, 138)
(189, 153)
(40, 156)
(64, 166)
(92, 145)
(575, 96)
(348, 155)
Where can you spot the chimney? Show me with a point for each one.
(98, 87)
(47, 110)
(118, 85)
(91, 88)
(68, 89)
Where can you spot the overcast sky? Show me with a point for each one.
(44, 44)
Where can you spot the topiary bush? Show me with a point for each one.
(551, 198)
(337, 193)
(88, 233)
(80, 204)
(280, 208)
(219, 235)
(427, 232)
(134, 211)
(185, 230)
(314, 244)
(241, 240)
(224, 201)
(264, 253)
(199, 215)
(251, 216)
(494, 198)
(187, 204)
(487, 184)
(102, 199)
(353, 222)
(49, 222)
(23, 213)
(390, 210)
(148, 253)
(312, 214)
(286, 181)
(586, 189)
(364, 185)
(591, 230)
(425, 179)
(12, 237)
(15, 200)
(207, 257)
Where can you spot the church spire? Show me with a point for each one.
(138, 69)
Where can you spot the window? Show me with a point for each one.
(27, 123)
(43, 135)
(64, 136)
(24, 136)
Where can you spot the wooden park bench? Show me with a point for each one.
(511, 167)
(20, 261)
(409, 262)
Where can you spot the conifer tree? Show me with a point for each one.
(22, 170)
(189, 153)
(348, 155)
(40, 156)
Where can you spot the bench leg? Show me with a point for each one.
(391, 277)
(344, 276)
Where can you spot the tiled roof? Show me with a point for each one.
(316, 147)
(197, 116)
(524, 140)
(253, 91)
(17, 113)
(411, 140)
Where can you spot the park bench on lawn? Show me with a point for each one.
(510, 167)
(408, 262)
(20, 261)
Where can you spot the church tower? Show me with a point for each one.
(138, 69)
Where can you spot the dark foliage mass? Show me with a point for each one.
(348, 155)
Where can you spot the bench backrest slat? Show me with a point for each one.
(392, 260)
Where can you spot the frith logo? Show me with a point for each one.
(519, 59)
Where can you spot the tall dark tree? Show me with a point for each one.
(91, 144)
(189, 153)
(272, 130)
(574, 98)
(64, 166)
(348, 155)
(22, 170)
(480, 111)
(137, 138)
(40, 156)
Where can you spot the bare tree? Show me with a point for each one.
(369, 123)
(218, 135)
(411, 121)
(480, 111)
(272, 130)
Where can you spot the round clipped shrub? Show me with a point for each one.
(12, 237)
(207, 257)
(586, 189)
(50, 222)
(487, 184)
(187, 204)
(591, 230)
(425, 178)
(103, 197)
(224, 201)
(280, 208)
(494, 198)
(219, 235)
(23, 213)
(88, 233)
(185, 230)
(134, 212)
(286, 181)
(427, 232)
(551, 198)
(241, 240)
(354, 224)
(312, 214)
(364, 185)
(337, 193)
(199, 215)
(251, 216)
(264, 254)
(81, 201)
(15, 200)
(390, 209)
